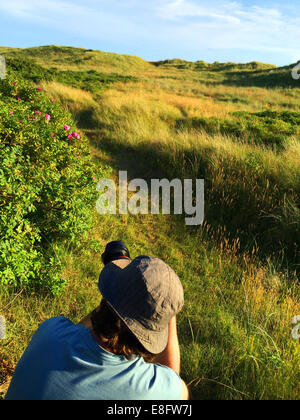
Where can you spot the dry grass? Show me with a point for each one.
(68, 95)
(235, 328)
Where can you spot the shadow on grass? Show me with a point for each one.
(268, 78)
(231, 207)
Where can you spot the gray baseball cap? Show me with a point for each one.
(146, 294)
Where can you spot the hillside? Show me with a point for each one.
(246, 74)
(80, 59)
(70, 58)
(216, 66)
(223, 122)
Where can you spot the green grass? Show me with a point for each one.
(263, 128)
(239, 269)
(216, 66)
(233, 330)
(70, 58)
(90, 80)
(247, 74)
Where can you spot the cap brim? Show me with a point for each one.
(153, 341)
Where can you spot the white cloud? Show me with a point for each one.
(232, 12)
(92, 19)
(36, 9)
(178, 25)
(185, 8)
(233, 25)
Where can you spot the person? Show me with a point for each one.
(126, 349)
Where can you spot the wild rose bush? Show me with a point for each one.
(47, 186)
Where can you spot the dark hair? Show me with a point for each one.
(116, 335)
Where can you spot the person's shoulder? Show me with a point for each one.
(166, 372)
(55, 322)
(174, 382)
(56, 328)
(166, 383)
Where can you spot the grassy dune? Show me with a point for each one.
(239, 269)
(69, 58)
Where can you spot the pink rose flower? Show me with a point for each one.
(18, 99)
(11, 112)
(14, 83)
(67, 128)
(39, 89)
(48, 117)
(70, 136)
(76, 135)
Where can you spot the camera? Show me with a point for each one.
(115, 250)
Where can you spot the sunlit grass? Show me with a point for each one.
(235, 327)
(64, 93)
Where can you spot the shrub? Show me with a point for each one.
(46, 186)
(268, 128)
(90, 80)
(29, 69)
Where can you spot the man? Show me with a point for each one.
(126, 349)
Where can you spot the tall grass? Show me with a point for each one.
(234, 330)
(235, 327)
(261, 206)
(69, 58)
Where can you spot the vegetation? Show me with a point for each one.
(46, 186)
(216, 66)
(90, 80)
(69, 58)
(268, 128)
(247, 74)
(239, 269)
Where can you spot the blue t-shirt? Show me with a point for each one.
(64, 362)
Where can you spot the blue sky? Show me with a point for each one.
(215, 30)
